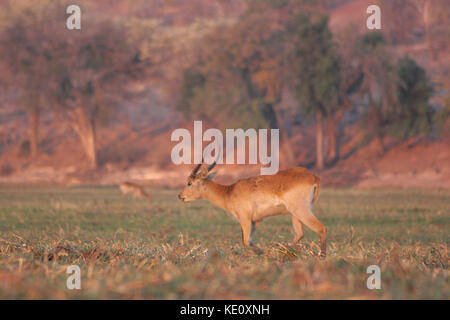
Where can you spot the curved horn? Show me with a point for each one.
(194, 172)
(212, 165)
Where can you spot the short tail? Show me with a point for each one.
(316, 188)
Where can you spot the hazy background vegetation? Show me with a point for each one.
(99, 104)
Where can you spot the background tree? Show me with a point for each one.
(378, 87)
(316, 68)
(233, 83)
(414, 115)
(26, 50)
(399, 19)
(242, 71)
(92, 65)
(397, 93)
(406, 20)
(351, 77)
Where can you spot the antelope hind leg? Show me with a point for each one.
(307, 218)
(298, 229)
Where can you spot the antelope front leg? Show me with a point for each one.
(247, 226)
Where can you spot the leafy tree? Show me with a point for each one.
(26, 50)
(191, 81)
(91, 67)
(414, 115)
(351, 77)
(242, 70)
(77, 72)
(316, 66)
(378, 86)
(403, 17)
(224, 87)
(397, 94)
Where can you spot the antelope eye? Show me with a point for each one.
(189, 183)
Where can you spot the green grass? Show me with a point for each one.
(170, 250)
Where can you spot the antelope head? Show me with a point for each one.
(195, 185)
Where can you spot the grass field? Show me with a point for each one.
(170, 250)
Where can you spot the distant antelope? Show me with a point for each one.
(134, 189)
(251, 200)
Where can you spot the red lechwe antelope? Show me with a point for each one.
(134, 189)
(251, 200)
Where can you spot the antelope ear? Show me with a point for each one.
(211, 175)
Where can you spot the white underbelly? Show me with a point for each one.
(267, 210)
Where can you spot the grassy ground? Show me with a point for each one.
(167, 249)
